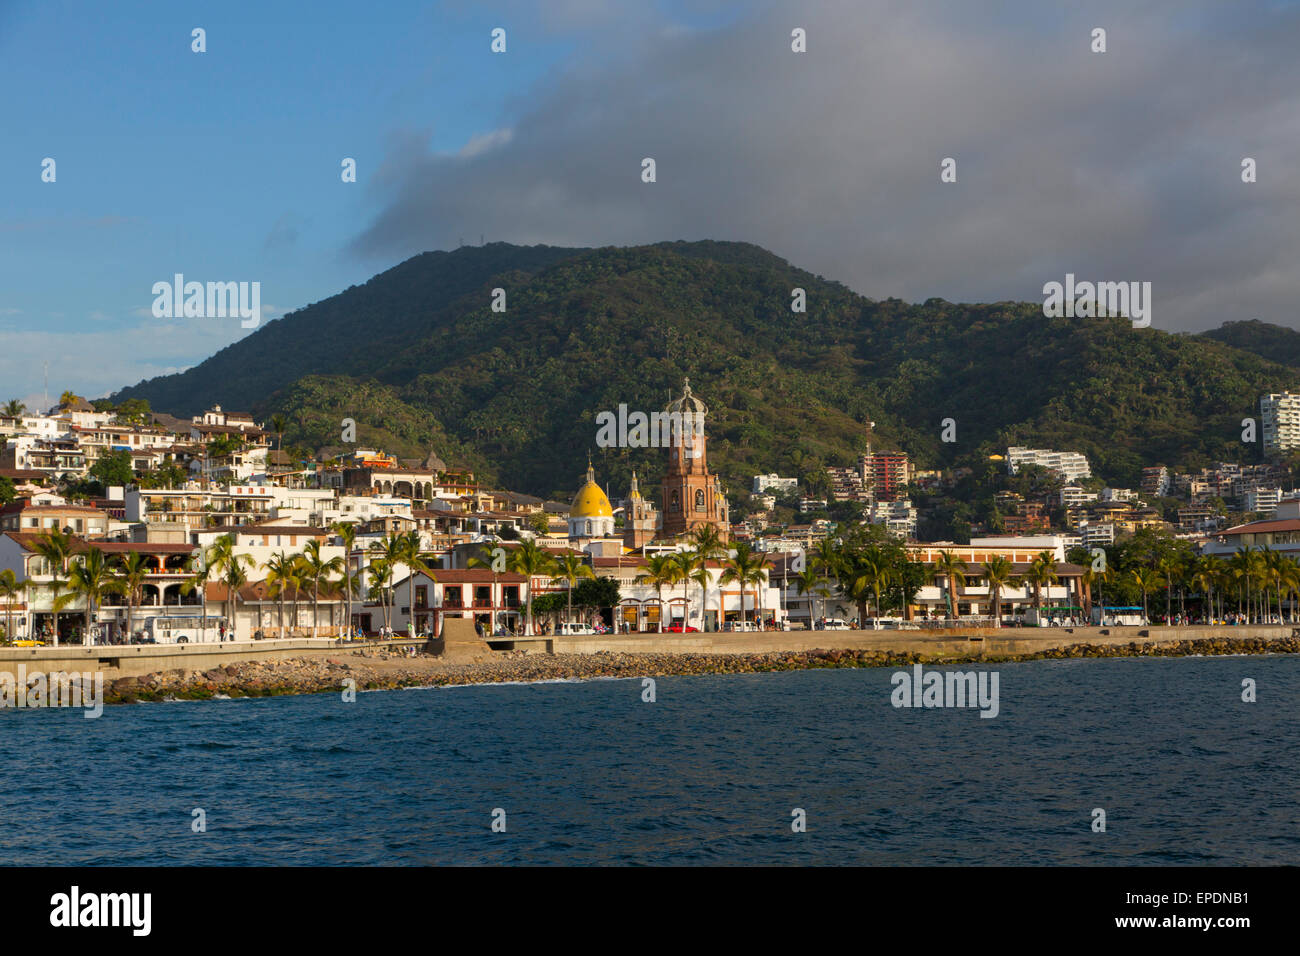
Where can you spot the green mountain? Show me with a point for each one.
(418, 358)
(1277, 343)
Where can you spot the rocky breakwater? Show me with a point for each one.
(383, 670)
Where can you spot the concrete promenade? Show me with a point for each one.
(116, 661)
(964, 642)
(134, 660)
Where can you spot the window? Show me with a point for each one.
(699, 500)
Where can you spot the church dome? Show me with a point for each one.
(590, 501)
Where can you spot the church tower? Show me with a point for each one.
(639, 519)
(691, 495)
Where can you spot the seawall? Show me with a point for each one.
(972, 642)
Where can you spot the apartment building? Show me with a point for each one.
(782, 486)
(1072, 465)
(1155, 481)
(1280, 421)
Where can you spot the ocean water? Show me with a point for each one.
(588, 773)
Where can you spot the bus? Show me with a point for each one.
(1118, 616)
(183, 629)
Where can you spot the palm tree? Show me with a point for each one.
(1200, 576)
(55, 547)
(381, 573)
(1147, 579)
(809, 582)
(866, 574)
(278, 425)
(389, 550)
(1273, 569)
(689, 562)
(346, 532)
(227, 566)
(14, 408)
(90, 577)
(1289, 584)
(953, 570)
(484, 560)
(999, 572)
(133, 571)
(570, 569)
(68, 397)
(409, 550)
(10, 588)
(316, 569)
(701, 575)
(1041, 573)
(1244, 565)
(531, 560)
(1169, 568)
(707, 543)
(661, 570)
(202, 574)
(281, 574)
(746, 566)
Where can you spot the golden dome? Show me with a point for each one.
(590, 501)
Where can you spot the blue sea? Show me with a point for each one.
(711, 772)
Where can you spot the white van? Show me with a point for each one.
(833, 624)
(882, 623)
(577, 628)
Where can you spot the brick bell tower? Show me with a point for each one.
(691, 496)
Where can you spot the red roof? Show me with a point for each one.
(1253, 527)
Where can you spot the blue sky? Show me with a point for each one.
(224, 166)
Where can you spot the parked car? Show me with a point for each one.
(676, 628)
(28, 642)
(832, 624)
(739, 626)
(577, 628)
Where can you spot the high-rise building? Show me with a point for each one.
(887, 473)
(1280, 421)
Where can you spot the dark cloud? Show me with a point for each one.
(1118, 166)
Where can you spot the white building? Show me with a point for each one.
(1095, 535)
(1072, 464)
(1072, 496)
(1118, 494)
(1280, 421)
(1264, 500)
(898, 517)
(782, 486)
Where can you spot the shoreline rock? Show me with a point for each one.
(384, 671)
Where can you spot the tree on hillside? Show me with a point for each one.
(113, 468)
